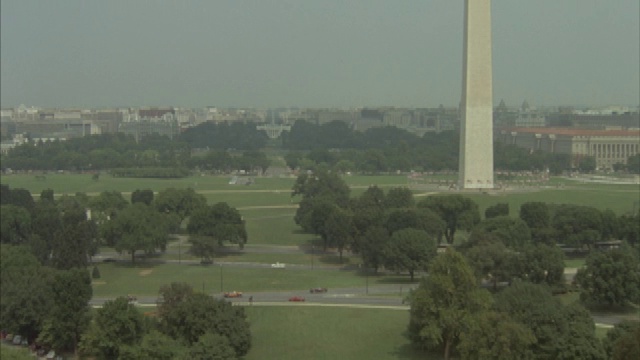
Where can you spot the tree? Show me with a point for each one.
(75, 241)
(494, 335)
(15, 224)
(182, 202)
(173, 294)
(610, 224)
(138, 228)
(46, 222)
(620, 343)
(410, 250)
(444, 302)
(109, 203)
(561, 332)
(587, 164)
(535, 214)
(21, 197)
(629, 229)
(322, 184)
(513, 233)
(491, 260)
(313, 214)
(25, 298)
(372, 247)
(633, 164)
(339, 229)
(144, 196)
(628, 346)
(399, 197)
(221, 222)
(46, 195)
(116, 325)
(198, 314)
(457, 212)
(212, 346)
(610, 278)
(154, 345)
(500, 209)
(365, 217)
(69, 316)
(542, 264)
(578, 226)
(398, 219)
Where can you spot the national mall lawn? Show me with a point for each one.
(294, 332)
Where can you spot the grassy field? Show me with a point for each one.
(144, 279)
(302, 332)
(276, 191)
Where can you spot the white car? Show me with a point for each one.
(278, 265)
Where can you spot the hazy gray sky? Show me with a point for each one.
(311, 53)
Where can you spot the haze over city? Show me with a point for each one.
(311, 53)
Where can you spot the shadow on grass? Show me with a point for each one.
(139, 264)
(406, 351)
(334, 260)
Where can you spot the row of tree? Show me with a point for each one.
(61, 234)
(237, 146)
(368, 224)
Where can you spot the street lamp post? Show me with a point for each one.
(221, 280)
(366, 279)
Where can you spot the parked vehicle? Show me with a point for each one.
(318, 290)
(233, 294)
(17, 340)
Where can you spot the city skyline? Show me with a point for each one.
(311, 54)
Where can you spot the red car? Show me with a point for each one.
(296, 298)
(233, 294)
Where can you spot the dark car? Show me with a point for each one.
(318, 290)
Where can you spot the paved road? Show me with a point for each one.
(378, 296)
(388, 296)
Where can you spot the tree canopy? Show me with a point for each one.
(219, 222)
(444, 302)
(610, 278)
(457, 211)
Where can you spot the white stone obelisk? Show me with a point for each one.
(476, 123)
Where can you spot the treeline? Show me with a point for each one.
(368, 223)
(226, 147)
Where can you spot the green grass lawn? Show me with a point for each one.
(274, 226)
(304, 332)
(619, 198)
(574, 263)
(9, 352)
(145, 279)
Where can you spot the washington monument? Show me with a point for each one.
(476, 125)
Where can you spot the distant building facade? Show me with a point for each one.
(608, 147)
(161, 121)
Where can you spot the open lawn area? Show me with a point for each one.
(145, 279)
(276, 191)
(304, 332)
